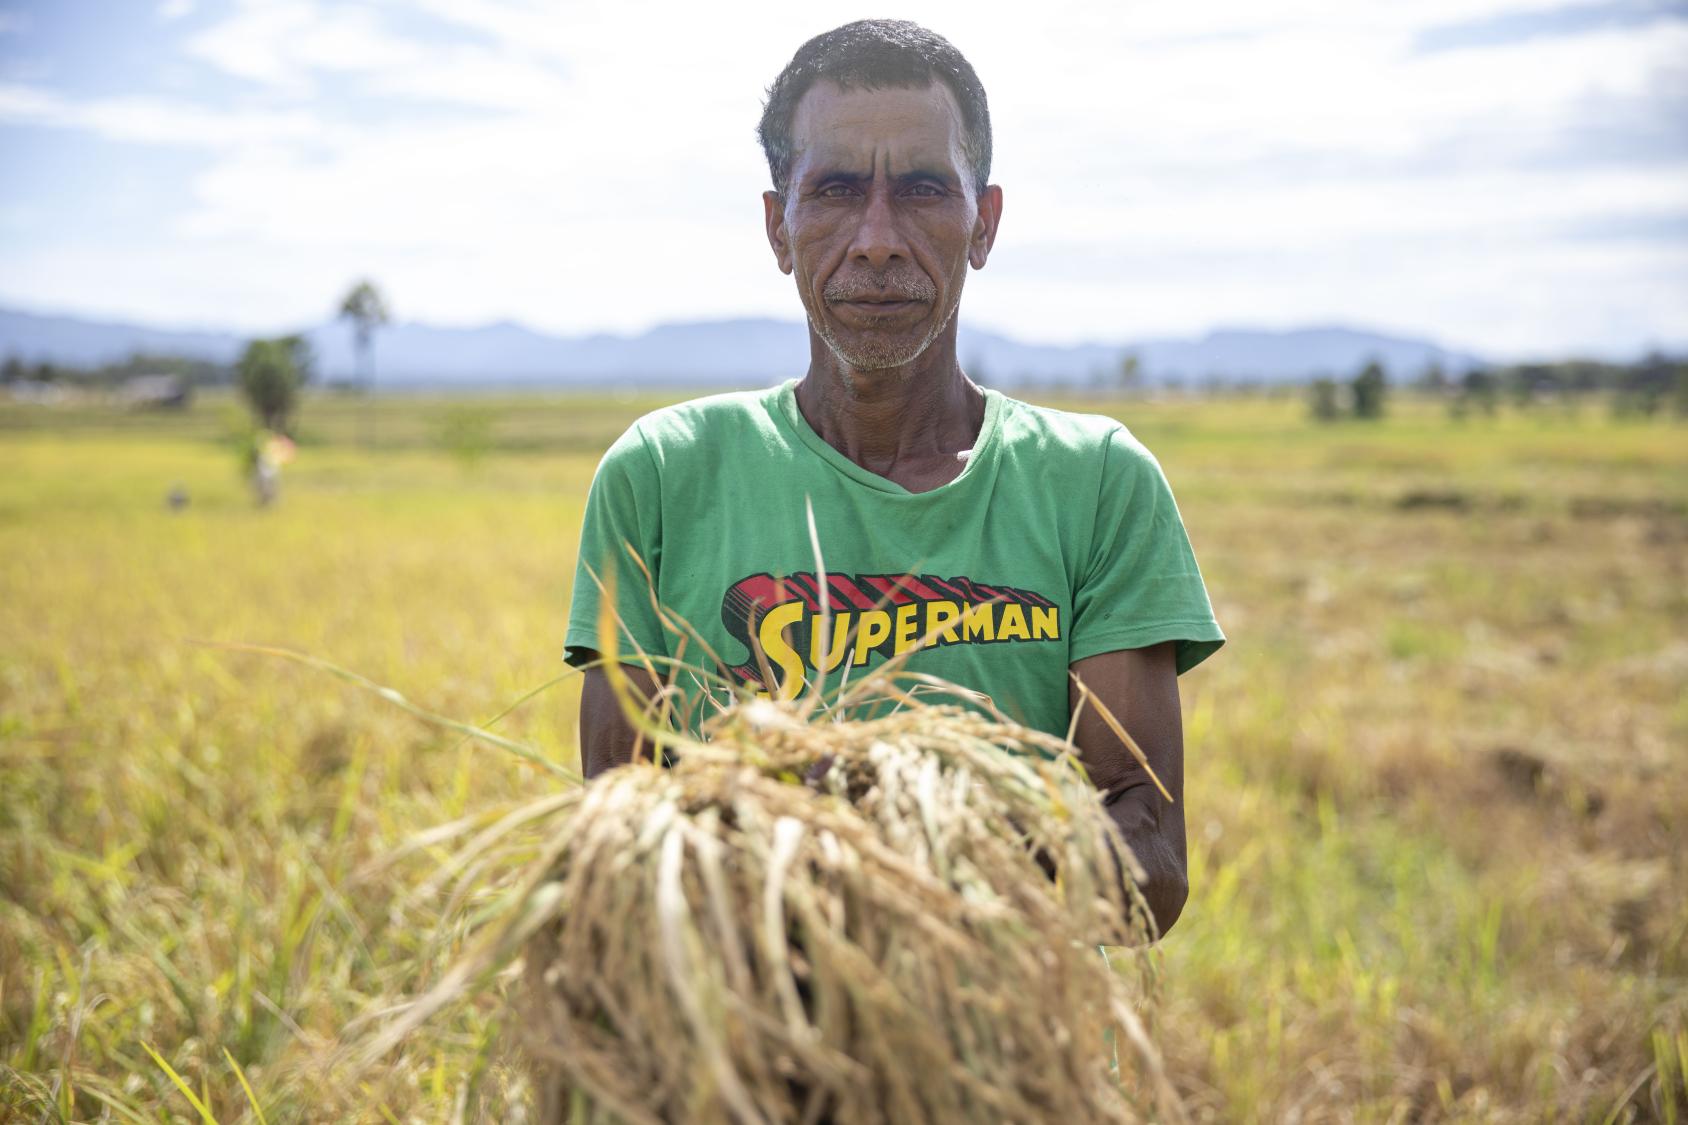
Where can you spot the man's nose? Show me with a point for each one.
(879, 240)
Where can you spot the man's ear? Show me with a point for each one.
(984, 228)
(773, 217)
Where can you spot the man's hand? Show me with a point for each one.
(1140, 687)
(606, 737)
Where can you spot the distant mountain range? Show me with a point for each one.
(745, 352)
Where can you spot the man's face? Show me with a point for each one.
(880, 220)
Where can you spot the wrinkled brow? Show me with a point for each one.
(856, 178)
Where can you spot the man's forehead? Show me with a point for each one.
(832, 123)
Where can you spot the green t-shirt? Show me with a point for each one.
(1058, 541)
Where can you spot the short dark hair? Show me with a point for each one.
(875, 55)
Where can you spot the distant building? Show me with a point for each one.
(38, 393)
(156, 392)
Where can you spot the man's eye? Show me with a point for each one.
(835, 191)
(925, 190)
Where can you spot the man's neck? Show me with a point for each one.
(908, 424)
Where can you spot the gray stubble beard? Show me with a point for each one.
(883, 358)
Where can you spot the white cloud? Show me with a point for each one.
(1168, 167)
(175, 9)
(281, 42)
(146, 120)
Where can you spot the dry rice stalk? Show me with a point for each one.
(725, 941)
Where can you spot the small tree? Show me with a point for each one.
(1433, 380)
(1369, 387)
(1478, 390)
(1130, 373)
(271, 374)
(1526, 383)
(1321, 400)
(364, 306)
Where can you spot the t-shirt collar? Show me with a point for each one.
(785, 408)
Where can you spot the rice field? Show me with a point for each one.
(1437, 789)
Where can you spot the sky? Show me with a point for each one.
(1509, 176)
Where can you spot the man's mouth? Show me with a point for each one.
(879, 305)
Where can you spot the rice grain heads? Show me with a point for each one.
(836, 921)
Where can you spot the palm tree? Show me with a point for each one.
(364, 306)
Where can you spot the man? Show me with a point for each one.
(1019, 543)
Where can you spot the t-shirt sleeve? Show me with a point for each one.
(623, 522)
(1141, 585)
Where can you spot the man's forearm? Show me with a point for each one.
(1142, 815)
(607, 739)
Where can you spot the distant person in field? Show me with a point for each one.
(265, 456)
(1021, 542)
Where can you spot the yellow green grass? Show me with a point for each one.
(1437, 795)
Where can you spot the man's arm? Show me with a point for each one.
(1140, 687)
(607, 739)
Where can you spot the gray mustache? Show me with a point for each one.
(916, 288)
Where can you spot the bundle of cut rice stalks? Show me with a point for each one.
(842, 921)
(839, 921)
